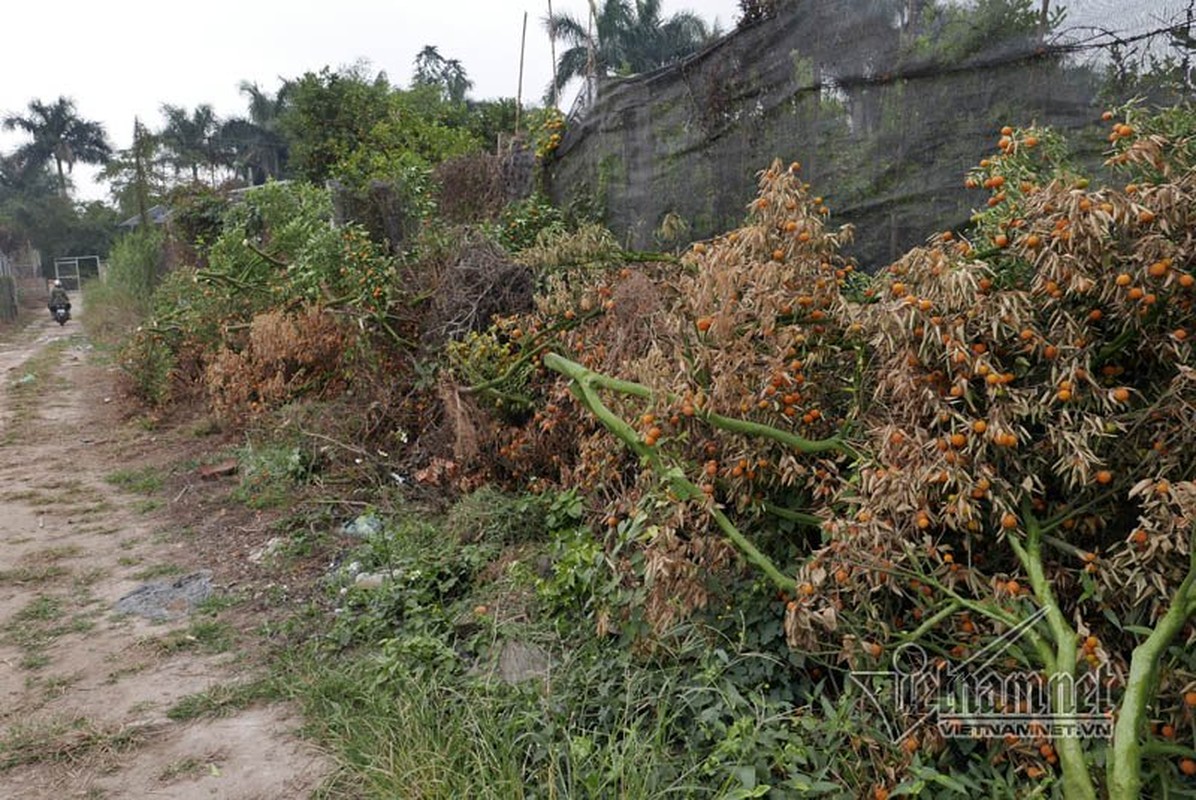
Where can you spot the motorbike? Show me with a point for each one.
(61, 314)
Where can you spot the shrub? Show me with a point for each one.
(270, 472)
(148, 364)
(993, 426)
(522, 221)
(255, 326)
(470, 188)
(287, 356)
(118, 302)
(490, 515)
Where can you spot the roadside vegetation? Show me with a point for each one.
(601, 523)
(630, 537)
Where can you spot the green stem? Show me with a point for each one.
(507, 373)
(1057, 520)
(749, 428)
(793, 516)
(1114, 347)
(637, 257)
(394, 335)
(572, 369)
(1077, 781)
(931, 622)
(1141, 688)
(986, 610)
(1168, 749)
(278, 262)
(1064, 547)
(584, 383)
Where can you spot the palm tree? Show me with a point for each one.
(447, 74)
(191, 139)
(59, 135)
(625, 37)
(256, 143)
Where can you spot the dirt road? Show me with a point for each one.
(94, 704)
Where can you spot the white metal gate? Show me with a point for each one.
(73, 270)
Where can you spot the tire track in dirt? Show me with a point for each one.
(84, 693)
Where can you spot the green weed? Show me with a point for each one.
(204, 636)
(222, 700)
(158, 571)
(144, 480)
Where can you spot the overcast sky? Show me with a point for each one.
(124, 58)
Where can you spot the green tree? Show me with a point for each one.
(58, 227)
(954, 31)
(255, 143)
(136, 175)
(446, 74)
(417, 131)
(624, 38)
(191, 140)
(328, 114)
(487, 119)
(59, 135)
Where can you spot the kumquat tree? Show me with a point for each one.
(983, 451)
(806, 412)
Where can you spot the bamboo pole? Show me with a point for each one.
(519, 91)
(552, 50)
(591, 60)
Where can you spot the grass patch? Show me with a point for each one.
(436, 734)
(217, 602)
(58, 685)
(21, 496)
(403, 742)
(32, 573)
(29, 384)
(89, 577)
(183, 768)
(207, 426)
(223, 699)
(56, 553)
(40, 609)
(58, 740)
(270, 474)
(157, 571)
(145, 480)
(126, 671)
(70, 484)
(34, 660)
(38, 625)
(209, 637)
(94, 509)
(147, 506)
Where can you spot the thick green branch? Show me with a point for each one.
(1077, 781)
(584, 383)
(262, 254)
(931, 622)
(575, 371)
(986, 610)
(793, 516)
(1141, 688)
(767, 432)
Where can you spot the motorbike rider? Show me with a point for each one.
(59, 298)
